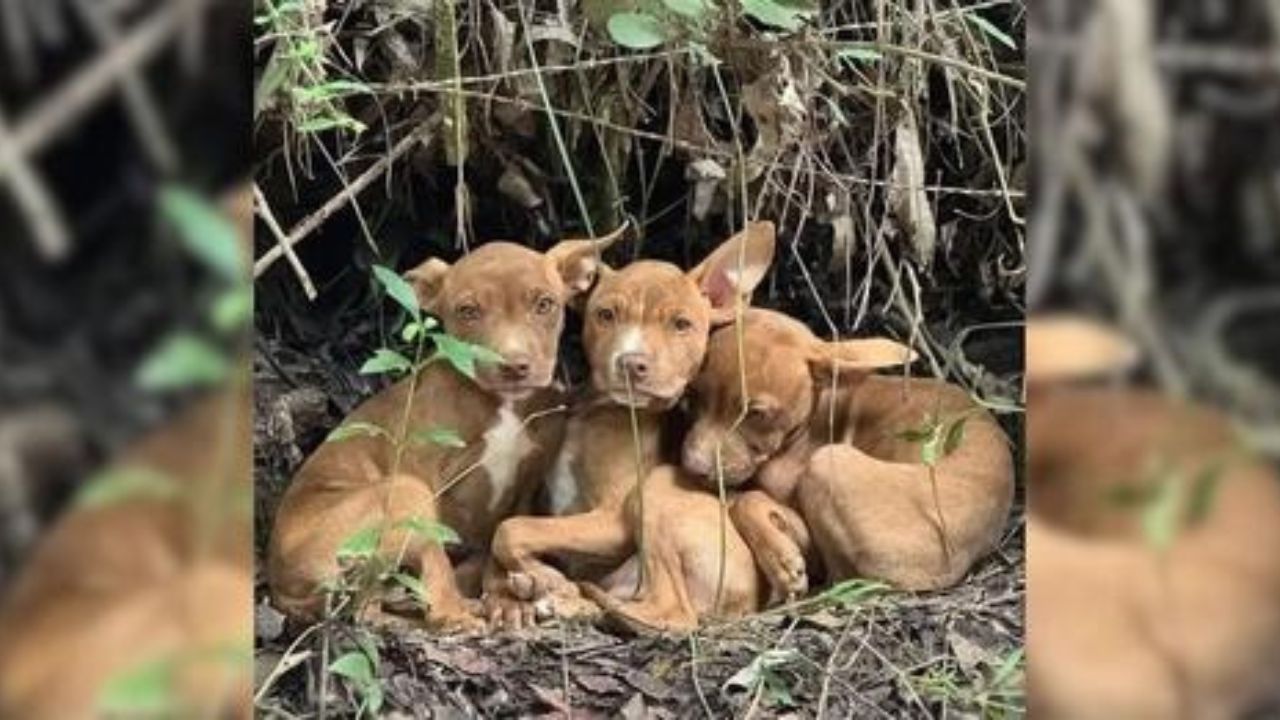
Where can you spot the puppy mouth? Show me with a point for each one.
(512, 390)
(642, 399)
(732, 477)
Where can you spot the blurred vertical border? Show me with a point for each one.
(1154, 496)
(125, 565)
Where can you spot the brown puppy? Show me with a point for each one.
(1117, 627)
(112, 588)
(505, 297)
(823, 440)
(147, 579)
(645, 334)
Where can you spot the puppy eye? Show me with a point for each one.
(759, 411)
(467, 312)
(606, 315)
(682, 324)
(544, 305)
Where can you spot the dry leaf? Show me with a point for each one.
(907, 199)
(706, 175)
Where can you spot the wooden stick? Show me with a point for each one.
(49, 230)
(264, 212)
(347, 194)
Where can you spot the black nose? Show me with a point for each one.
(635, 364)
(516, 367)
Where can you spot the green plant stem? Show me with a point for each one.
(641, 546)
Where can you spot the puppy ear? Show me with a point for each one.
(428, 282)
(853, 359)
(735, 269)
(1069, 347)
(579, 262)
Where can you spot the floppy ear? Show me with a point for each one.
(578, 261)
(851, 359)
(1068, 347)
(428, 281)
(735, 269)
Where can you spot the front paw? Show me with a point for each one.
(537, 584)
(785, 571)
(461, 617)
(505, 611)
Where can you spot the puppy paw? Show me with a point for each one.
(463, 617)
(536, 584)
(785, 570)
(506, 612)
(568, 603)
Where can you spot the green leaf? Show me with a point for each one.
(637, 31)
(231, 309)
(206, 232)
(991, 30)
(1204, 493)
(463, 356)
(916, 435)
(385, 360)
(695, 9)
(182, 360)
(438, 436)
(273, 77)
(776, 14)
(373, 699)
(850, 592)
(1129, 495)
(143, 691)
(955, 435)
(1160, 517)
(331, 122)
(355, 667)
(413, 585)
(431, 530)
(1008, 668)
(125, 483)
(399, 289)
(411, 331)
(361, 544)
(356, 428)
(931, 451)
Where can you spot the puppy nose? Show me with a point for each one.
(696, 463)
(635, 364)
(515, 367)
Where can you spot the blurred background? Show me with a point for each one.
(1155, 169)
(1154, 411)
(123, 307)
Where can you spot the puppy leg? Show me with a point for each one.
(871, 518)
(661, 603)
(445, 607)
(779, 541)
(520, 543)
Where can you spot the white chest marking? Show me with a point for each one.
(563, 488)
(505, 446)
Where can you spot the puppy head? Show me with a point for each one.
(511, 300)
(757, 391)
(646, 325)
